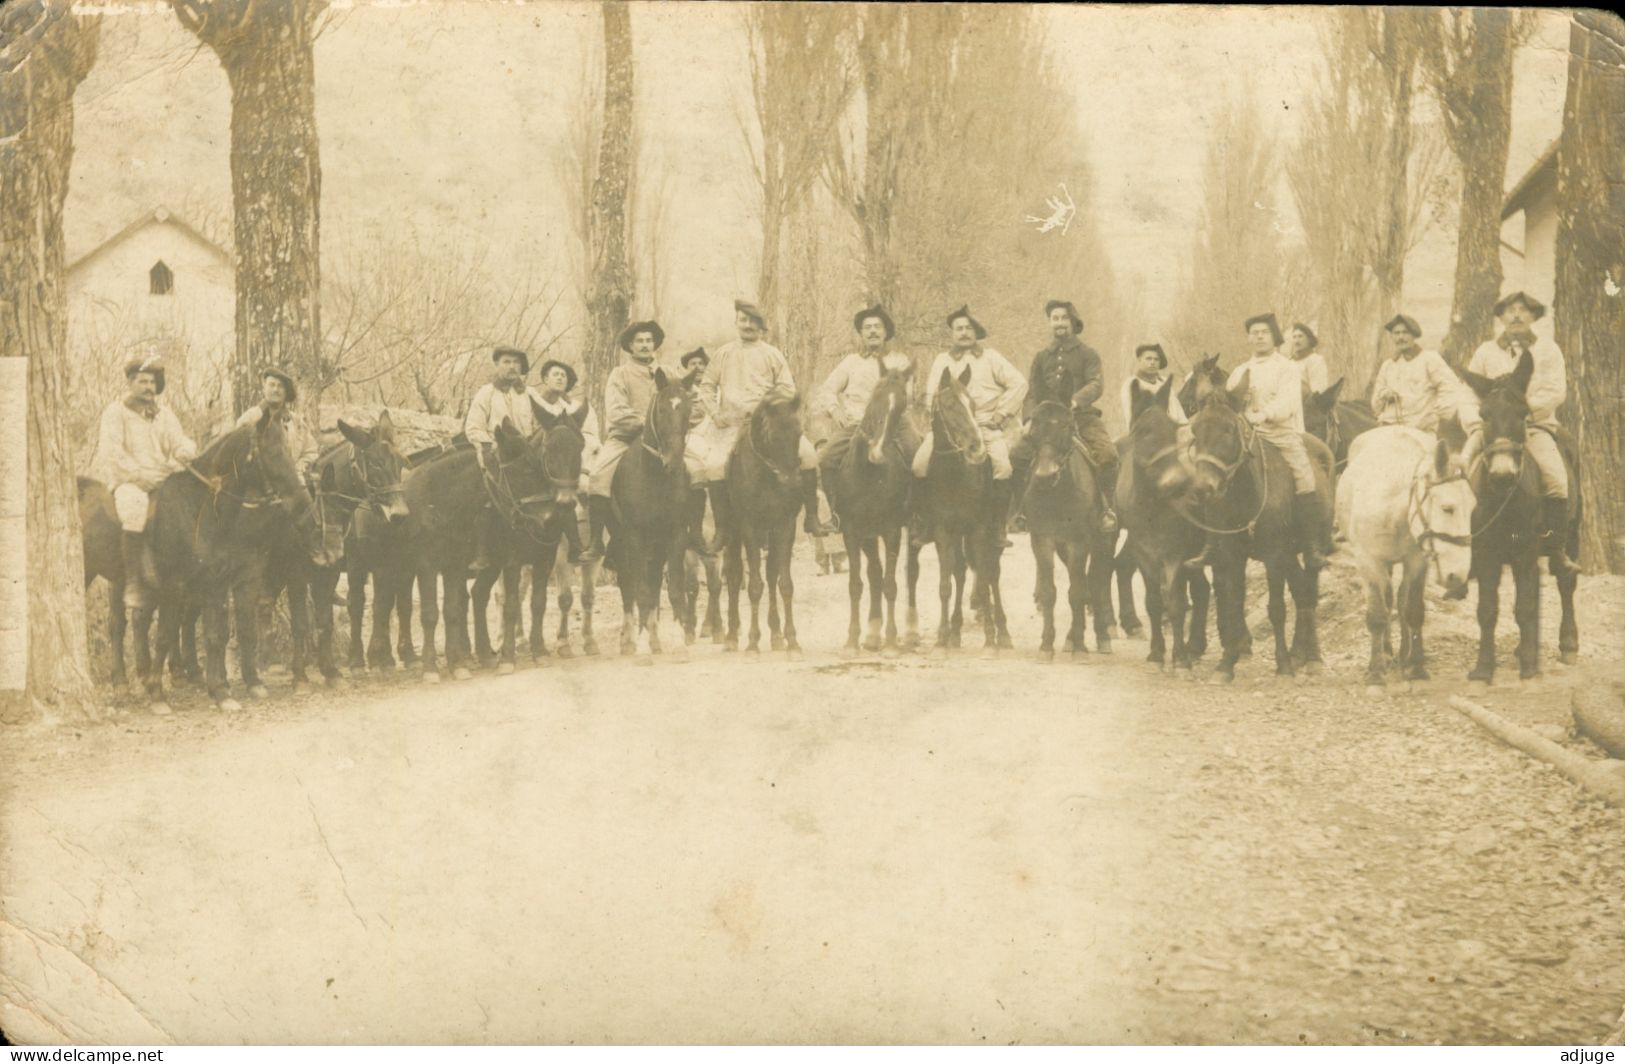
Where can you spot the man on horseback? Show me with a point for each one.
(507, 397)
(745, 374)
(1068, 371)
(694, 364)
(1311, 363)
(627, 393)
(840, 404)
(1548, 388)
(1275, 411)
(1150, 373)
(1416, 387)
(139, 444)
(558, 381)
(277, 397)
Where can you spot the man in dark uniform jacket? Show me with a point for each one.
(1068, 371)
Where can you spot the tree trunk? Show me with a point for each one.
(767, 284)
(1394, 206)
(276, 184)
(610, 299)
(1589, 309)
(44, 53)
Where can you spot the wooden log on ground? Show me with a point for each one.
(1606, 781)
(1599, 713)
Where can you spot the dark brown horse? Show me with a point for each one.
(1508, 522)
(446, 496)
(1335, 422)
(1159, 537)
(1241, 495)
(534, 544)
(649, 517)
(957, 506)
(1062, 508)
(764, 492)
(868, 486)
(212, 526)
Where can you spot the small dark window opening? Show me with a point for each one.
(163, 279)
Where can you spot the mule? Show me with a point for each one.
(1241, 493)
(686, 603)
(1404, 500)
(557, 444)
(1062, 508)
(868, 487)
(212, 525)
(958, 505)
(1508, 522)
(764, 493)
(1336, 422)
(1159, 537)
(573, 579)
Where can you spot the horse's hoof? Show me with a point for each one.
(228, 705)
(1116, 632)
(1374, 690)
(1480, 676)
(1313, 668)
(137, 689)
(1103, 646)
(590, 647)
(505, 669)
(753, 653)
(890, 652)
(258, 691)
(628, 649)
(1300, 679)
(938, 652)
(1418, 673)
(645, 660)
(1046, 657)
(872, 644)
(849, 652)
(1569, 657)
(1221, 677)
(461, 673)
(1133, 631)
(563, 651)
(688, 637)
(430, 676)
(160, 709)
(1005, 642)
(336, 683)
(792, 654)
(778, 644)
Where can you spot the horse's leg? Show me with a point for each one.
(753, 549)
(1159, 595)
(538, 604)
(388, 589)
(1096, 551)
(429, 614)
(1201, 594)
(117, 621)
(215, 627)
(787, 588)
(946, 556)
(589, 595)
(911, 618)
(403, 577)
(854, 588)
(1489, 608)
(356, 604)
(1124, 567)
(1526, 610)
(167, 613)
(1173, 609)
(1413, 609)
(245, 596)
(1229, 591)
(191, 611)
(995, 586)
(483, 583)
(869, 547)
(1568, 632)
(566, 576)
(455, 608)
(1376, 622)
(773, 560)
(629, 575)
(323, 584)
(1275, 570)
(890, 541)
(1044, 591)
(734, 565)
(656, 557)
(299, 589)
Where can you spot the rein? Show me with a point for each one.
(1227, 472)
(1498, 447)
(750, 436)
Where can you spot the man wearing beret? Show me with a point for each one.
(744, 374)
(1517, 313)
(139, 443)
(628, 392)
(1416, 387)
(509, 398)
(1068, 371)
(841, 403)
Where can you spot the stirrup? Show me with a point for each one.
(1201, 560)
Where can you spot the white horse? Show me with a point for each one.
(1404, 500)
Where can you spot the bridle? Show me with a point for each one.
(650, 437)
(1227, 472)
(750, 437)
(947, 445)
(1416, 515)
(510, 506)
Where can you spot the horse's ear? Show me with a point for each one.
(947, 378)
(660, 380)
(578, 416)
(1481, 386)
(359, 437)
(1522, 372)
(1163, 392)
(384, 428)
(1238, 394)
(1441, 459)
(1330, 394)
(964, 377)
(510, 443)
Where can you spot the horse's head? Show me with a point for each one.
(1206, 379)
(775, 437)
(1441, 514)
(1154, 444)
(373, 473)
(1051, 436)
(253, 466)
(1320, 414)
(886, 406)
(953, 418)
(1220, 437)
(558, 442)
(520, 480)
(1505, 410)
(665, 427)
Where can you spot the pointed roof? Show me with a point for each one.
(156, 216)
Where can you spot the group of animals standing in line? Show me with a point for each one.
(1455, 475)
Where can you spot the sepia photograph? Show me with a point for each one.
(620, 522)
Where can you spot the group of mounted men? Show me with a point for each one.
(141, 441)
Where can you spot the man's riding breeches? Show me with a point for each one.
(602, 473)
(998, 452)
(131, 504)
(1542, 449)
(710, 445)
(1290, 443)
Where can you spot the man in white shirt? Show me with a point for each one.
(1311, 363)
(1416, 387)
(628, 392)
(1517, 313)
(996, 390)
(278, 395)
(841, 402)
(558, 380)
(507, 397)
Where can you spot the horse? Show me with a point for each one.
(1241, 493)
(1508, 522)
(445, 497)
(687, 591)
(1404, 500)
(1062, 508)
(212, 525)
(957, 507)
(557, 443)
(868, 485)
(1159, 537)
(361, 504)
(571, 577)
(1334, 422)
(764, 492)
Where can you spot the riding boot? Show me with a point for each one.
(137, 595)
(1312, 513)
(1203, 558)
(721, 515)
(809, 503)
(694, 521)
(1108, 499)
(1003, 493)
(1021, 469)
(1555, 538)
(597, 522)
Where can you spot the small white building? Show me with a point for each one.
(1529, 230)
(156, 286)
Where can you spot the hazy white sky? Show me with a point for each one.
(444, 118)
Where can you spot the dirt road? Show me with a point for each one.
(913, 850)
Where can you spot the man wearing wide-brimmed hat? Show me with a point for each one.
(278, 394)
(557, 382)
(628, 391)
(1517, 313)
(1416, 387)
(1068, 371)
(139, 443)
(841, 402)
(1303, 347)
(1150, 373)
(506, 397)
(743, 375)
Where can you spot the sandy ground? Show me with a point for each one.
(709, 849)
